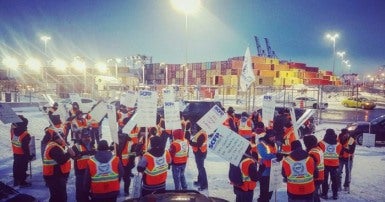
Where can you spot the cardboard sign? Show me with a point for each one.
(169, 94)
(171, 116)
(268, 109)
(228, 145)
(112, 123)
(99, 111)
(369, 140)
(147, 108)
(7, 115)
(275, 175)
(32, 147)
(129, 99)
(212, 119)
(130, 124)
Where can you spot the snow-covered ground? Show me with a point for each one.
(368, 176)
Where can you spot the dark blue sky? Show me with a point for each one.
(101, 29)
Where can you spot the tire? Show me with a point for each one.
(360, 139)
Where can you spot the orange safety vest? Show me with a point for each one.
(346, 154)
(202, 148)
(247, 184)
(81, 163)
(319, 156)
(126, 152)
(16, 142)
(269, 150)
(245, 129)
(92, 122)
(121, 116)
(227, 121)
(134, 135)
(156, 169)
(299, 174)
(331, 153)
(104, 176)
(181, 153)
(82, 123)
(49, 163)
(288, 138)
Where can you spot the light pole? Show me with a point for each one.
(45, 39)
(117, 61)
(341, 54)
(166, 72)
(187, 7)
(333, 38)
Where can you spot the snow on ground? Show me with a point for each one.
(368, 176)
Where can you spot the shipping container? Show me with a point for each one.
(258, 60)
(281, 67)
(267, 73)
(264, 67)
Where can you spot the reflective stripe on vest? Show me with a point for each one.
(49, 163)
(247, 184)
(269, 150)
(202, 148)
(81, 163)
(182, 154)
(16, 142)
(104, 176)
(318, 153)
(126, 152)
(300, 180)
(330, 154)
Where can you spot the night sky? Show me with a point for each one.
(221, 29)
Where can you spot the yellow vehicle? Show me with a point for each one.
(358, 102)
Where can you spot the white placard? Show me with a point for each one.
(147, 108)
(130, 124)
(169, 94)
(99, 111)
(129, 99)
(275, 175)
(49, 99)
(7, 115)
(294, 122)
(369, 140)
(268, 109)
(228, 145)
(32, 147)
(305, 116)
(212, 119)
(172, 116)
(62, 112)
(111, 111)
(137, 186)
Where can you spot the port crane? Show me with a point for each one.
(261, 52)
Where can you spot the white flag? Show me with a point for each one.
(247, 75)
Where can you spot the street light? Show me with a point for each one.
(187, 7)
(10, 63)
(45, 39)
(333, 38)
(341, 54)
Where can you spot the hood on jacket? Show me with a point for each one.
(330, 136)
(103, 156)
(310, 141)
(178, 134)
(299, 154)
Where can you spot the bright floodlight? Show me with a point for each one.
(59, 64)
(33, 64)
(332, 37)
(118, 60)
(101, 67)
(78, 64)
(45, 38)
(186, 6)
(341, 53)
(10, 62)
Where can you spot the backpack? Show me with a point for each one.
(235, 175)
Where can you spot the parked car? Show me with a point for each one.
(358, 102)
(375, 126)
(309, 102)
(298, 113)
(178, 195)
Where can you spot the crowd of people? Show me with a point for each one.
(99, 167)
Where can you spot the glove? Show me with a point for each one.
(279, 156)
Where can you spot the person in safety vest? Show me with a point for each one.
(245, 127)
(77, 126)
(50, 131)
(267, 150)
(199, 147)
(311, 144)
(154, 165)
(57, 167)
(127, 154)
(332, 150)
(20, 139)
(279, 123)
(346, 157)
(53, 109)
(231, 121)
(260, 131)
(179, 150)
(299, 170)
(94, 127)
(186, 126)
(250, 174)
(103, 174)
(288, 138)
(84, 149)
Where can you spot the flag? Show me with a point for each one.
(247, 74)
